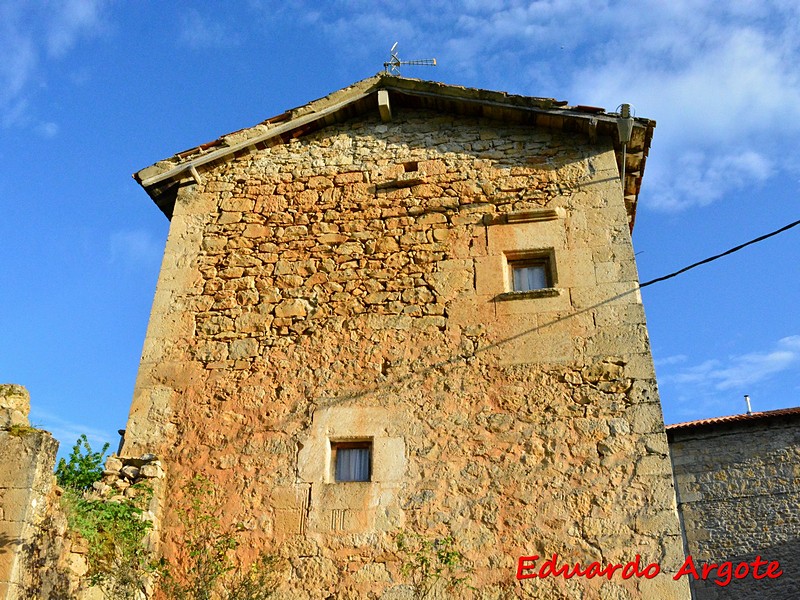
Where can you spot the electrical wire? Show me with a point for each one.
(456, 359)
(726, 253)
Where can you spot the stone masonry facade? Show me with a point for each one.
(738, 486)
(352, 284)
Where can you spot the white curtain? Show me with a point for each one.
(352, 464)
(530, 278)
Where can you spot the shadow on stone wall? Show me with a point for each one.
(44, 575)
(36, 551)
(784, 587)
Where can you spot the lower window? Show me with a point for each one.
(352, 461)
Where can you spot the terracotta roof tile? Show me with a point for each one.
(755, 416)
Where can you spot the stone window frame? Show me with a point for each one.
(517, 259)
(348, 424)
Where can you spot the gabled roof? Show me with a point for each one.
(162, 180)
(782, 414)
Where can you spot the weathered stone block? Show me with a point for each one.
(15, 404)
(292, 308)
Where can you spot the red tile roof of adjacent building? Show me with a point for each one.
(755, 416)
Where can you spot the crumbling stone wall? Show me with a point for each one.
(738, 487)
(40, 558)
(27, 456)
(63, 568)
(352, 284)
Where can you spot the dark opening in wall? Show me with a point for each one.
(352, 460)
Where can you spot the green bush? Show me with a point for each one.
(431, 564)
(114, 531)
(118, 560)
(83, 468)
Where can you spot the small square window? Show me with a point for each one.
(530, 274)
(352, 460)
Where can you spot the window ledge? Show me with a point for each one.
(542, 293)
(351, 483)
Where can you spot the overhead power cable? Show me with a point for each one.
(713, 258)
(458, 358)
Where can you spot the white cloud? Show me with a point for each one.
(725, 100)
(33, 34)
(135, 247)
(69, 21)
(737, 372)
(197, 32)
(14, 112)
(47, 130)
(702, 177)
(67, 432)
(715, 387)
(19, 55)
(675, 359)
(737, 85)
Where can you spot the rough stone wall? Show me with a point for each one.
(27, 457)
(352, 284)
(739, 497)
(15, 404)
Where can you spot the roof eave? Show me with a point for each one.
(162, 180)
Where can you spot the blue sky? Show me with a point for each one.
(93, 90)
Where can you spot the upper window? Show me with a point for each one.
(352, 461)
(528, 275)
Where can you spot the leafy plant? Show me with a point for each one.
(256, 583)
(83, 468)
(211, 571)
(431, 563)
(114, 531)
(118, 560)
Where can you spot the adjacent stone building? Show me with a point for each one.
(738, 488)
(412, 307)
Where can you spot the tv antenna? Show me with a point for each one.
(394, 64)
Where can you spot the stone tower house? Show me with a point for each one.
(412, 307)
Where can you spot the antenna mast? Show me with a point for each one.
(394, 64)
